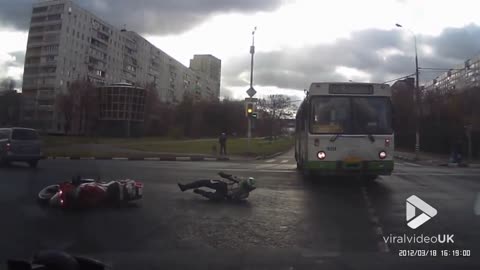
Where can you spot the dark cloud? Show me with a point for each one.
(15, 14)
(297, 68)
(458, 43)
(144, 16)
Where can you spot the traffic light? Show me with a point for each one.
(249, 110)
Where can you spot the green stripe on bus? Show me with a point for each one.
(323, 165)
(332, 165)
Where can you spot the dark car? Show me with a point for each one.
(20, 144)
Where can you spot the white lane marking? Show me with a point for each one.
(286, 166)
(152, 159)
(270, 160)
(377, 227)
(264, 166)
(412, 164)
(284, 161)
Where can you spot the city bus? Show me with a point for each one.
(345, 129)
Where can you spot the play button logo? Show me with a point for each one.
(428, 212)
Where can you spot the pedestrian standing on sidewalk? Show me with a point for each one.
(457, 152)
(223, 143)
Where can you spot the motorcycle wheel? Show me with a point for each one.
(47, 193)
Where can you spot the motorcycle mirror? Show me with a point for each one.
(18, 265)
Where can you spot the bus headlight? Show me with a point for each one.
(321, 155)
(382, 154)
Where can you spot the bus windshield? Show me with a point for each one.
(350, 115)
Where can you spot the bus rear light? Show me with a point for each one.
(382, 154)
(321, 155)
(387, 142)
(316, 142)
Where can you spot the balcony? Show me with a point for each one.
(43, 42)
(46, 19)
(42, 64)
(99, 44)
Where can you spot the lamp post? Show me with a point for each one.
(415, 96)
(252, 52)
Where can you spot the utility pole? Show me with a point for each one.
(417, 103)
(251, 92)
(416, 97)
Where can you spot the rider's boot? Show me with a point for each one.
(182, 187)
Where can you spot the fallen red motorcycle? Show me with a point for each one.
(88, 193)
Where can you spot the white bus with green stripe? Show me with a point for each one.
(345, 129)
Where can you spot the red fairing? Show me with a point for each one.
(65, 189)
(91, 194)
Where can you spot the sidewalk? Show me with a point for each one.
(433, 159)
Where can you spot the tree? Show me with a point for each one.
(274, 108)
(80, 108)
(7, 84)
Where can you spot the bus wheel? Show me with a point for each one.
(299, 167)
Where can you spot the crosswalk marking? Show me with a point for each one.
(286, 166)
(264, 166)
(270, 160)
(413, 164)
(285, 161)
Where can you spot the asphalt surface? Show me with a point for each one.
(287, 223)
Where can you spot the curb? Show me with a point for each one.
(179, 158)
(404, 158)
(462, 165)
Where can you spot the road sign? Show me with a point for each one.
(251, 92)
(251, 99)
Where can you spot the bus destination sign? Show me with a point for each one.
(359, 89)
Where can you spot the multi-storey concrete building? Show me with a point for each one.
(68, 43)
(208, 65)
(460, 77)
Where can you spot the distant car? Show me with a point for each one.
(20, 144)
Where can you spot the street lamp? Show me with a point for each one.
(415, 95)
(252, 52)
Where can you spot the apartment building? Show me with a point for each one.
(208, 65)
(68, 43)
(460, 77)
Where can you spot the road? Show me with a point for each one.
(287, 223)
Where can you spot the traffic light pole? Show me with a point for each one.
(252, 52)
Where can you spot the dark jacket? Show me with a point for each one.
(222, 139)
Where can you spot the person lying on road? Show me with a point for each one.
(229, 188)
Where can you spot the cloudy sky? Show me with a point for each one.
(297, 41)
